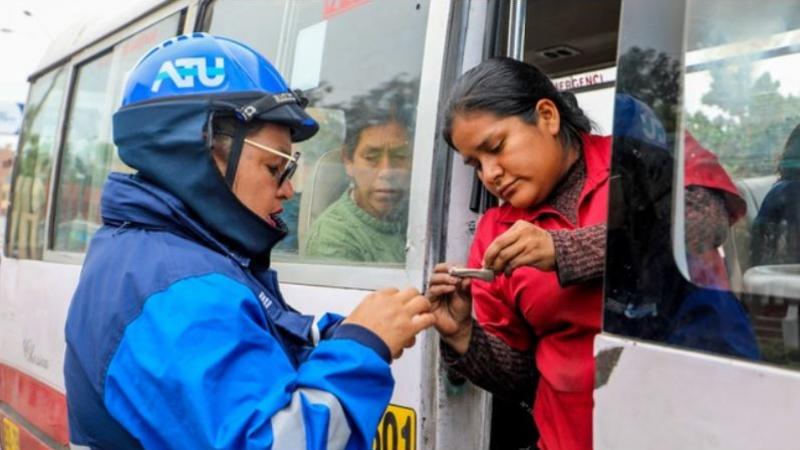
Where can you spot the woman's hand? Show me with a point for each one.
(395, 316)
(451, 302)
(524, 244)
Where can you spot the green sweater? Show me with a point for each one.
(346, 232)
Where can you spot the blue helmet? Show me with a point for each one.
(164, 128)
(200, 65)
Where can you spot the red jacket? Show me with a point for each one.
(531, 311)
(702, 168)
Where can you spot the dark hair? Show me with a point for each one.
(392, 101)
(507, 87)
(357, 123)
(224, 128)
(789, 165)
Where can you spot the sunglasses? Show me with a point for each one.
(290, 168)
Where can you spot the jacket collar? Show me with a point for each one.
(128, 199)
(165, 143)
(597, 156)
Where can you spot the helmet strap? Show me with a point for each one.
(236, 154)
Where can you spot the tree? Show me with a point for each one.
(754, 123)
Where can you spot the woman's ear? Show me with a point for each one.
(549, 118)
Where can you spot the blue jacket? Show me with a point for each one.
(176, 341)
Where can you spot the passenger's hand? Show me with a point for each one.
(524, 244)
(395, 316)
(452, 305)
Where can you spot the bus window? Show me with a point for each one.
(10, 120)
(742, 163)
(702, 115)
(89, 153)
(25, 236)
(351, 191)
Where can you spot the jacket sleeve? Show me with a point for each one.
(199, 369)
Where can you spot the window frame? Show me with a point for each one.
(626, 308)
(17, 160)
(626, 236)
(50, 225)
(775, 46)
(424, 166)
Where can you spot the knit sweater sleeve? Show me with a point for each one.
(493, 365)
(580, 253)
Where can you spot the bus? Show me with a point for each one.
(720, 71)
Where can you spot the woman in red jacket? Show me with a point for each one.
(532, 148)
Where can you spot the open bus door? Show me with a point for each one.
(700, 338)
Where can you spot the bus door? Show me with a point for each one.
(578, 51)
(701, 344)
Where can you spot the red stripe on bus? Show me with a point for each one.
(27, 440)
(36, 402)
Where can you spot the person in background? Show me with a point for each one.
(368, 222)
(776, 229)
(178, 335)
(533, 148)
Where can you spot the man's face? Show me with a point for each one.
(256, 181)
(381, 168)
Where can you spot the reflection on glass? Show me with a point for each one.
(320, 177)
(25, 237)
(6, 164)
(742, 101)
(653, 300)
(359, 84)
(367, 222)
(89, 152)
(776, 228)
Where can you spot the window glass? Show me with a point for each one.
(25, 238)
(10, 120)
(351, 191)
(700, 225)
(742, 162)
(89, 152)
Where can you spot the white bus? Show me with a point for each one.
(724, 70)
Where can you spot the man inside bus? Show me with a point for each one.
(368, 221)
(177, 335)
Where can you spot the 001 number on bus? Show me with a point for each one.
(397, 429)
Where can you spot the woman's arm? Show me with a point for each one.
(707, 222)
(494, 365)
(580, 254)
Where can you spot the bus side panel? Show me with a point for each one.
(34, 298)
(656, 397)
(408, 370)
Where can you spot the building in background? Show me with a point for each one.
(10, 120)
